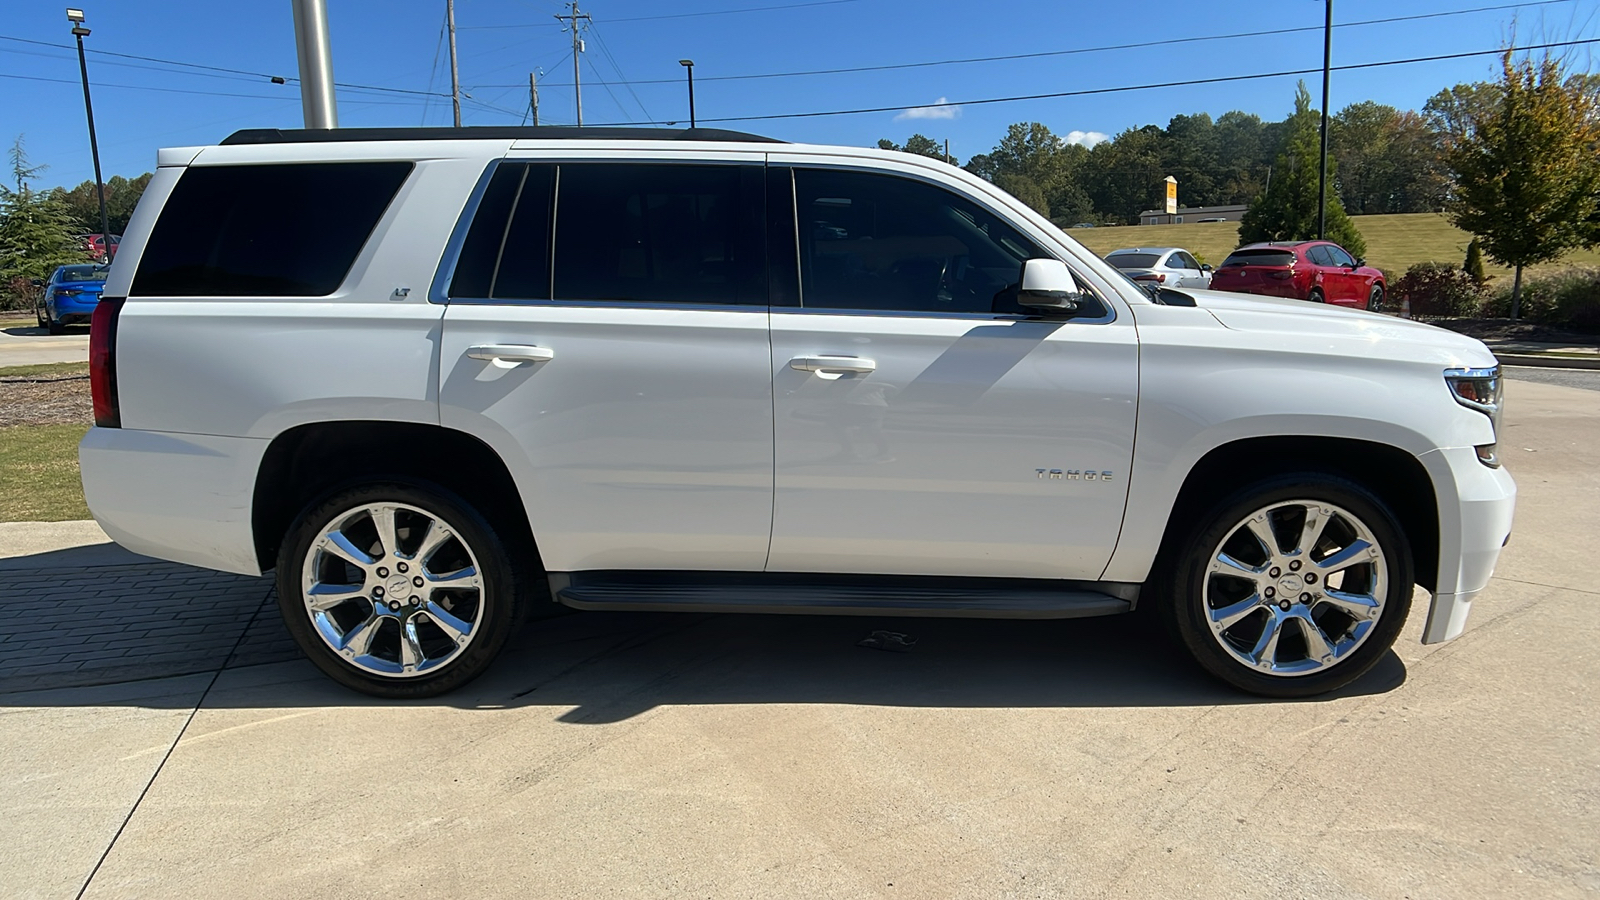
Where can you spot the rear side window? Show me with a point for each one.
(506, 254)
(659, 233)
(280, 230)
(1262, 257)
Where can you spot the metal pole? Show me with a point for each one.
(690, 67)
(533, 95)
(315, 52)
(577, 77)
(1322, 179)
(94, 146)
(455, 78)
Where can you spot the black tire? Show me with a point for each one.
(1184, 603)
(38, 314)
(1375, 298)
(494, 609)
(52, 326)
(1316, 296)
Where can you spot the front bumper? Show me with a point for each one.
(1476, 507)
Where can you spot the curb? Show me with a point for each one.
(1558, 362)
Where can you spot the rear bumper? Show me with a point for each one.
(1474, 524)
(181, 497)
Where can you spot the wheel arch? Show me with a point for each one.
(1395, 475)
(309, 461)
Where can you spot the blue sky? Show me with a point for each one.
(397, 45)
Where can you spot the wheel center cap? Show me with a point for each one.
(397, 587)
(1291, 584)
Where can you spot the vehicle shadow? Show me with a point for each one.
(36, 331)
(608, 667)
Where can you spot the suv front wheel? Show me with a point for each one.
(1292, 587)
(396, 589)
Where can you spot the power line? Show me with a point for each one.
(1145, 87)
(613, 60)
(207, 68)
(714, 12)
(1139, 45)
(162, 90)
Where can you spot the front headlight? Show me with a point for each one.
(1484, 391)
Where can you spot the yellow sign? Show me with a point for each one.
(1172, 195)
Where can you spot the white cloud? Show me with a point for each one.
(1087, 138)
(944, 109)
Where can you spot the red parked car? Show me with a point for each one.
(1319, 271)
(95, 245)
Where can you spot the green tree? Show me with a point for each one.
(122, 195)
(920, 145)
(1039, 168)
(1287, 210)
(36, 233)
(1527, 179)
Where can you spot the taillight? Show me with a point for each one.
(1282, 274)
(1157, 277)
(103, 362)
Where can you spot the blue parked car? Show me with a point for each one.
(70, 296)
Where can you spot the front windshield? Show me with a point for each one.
(84, 273)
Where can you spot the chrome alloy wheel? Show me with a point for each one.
(393, 589)
(1295, 588)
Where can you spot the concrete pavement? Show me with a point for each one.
(31, 345)
(686, 755)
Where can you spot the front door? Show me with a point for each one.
(607, 334)
(924, 423)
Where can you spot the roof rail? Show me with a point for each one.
(492, 132)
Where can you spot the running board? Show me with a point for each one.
(977, 598)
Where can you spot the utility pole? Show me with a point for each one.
(75, 16)
(455, 77)
(533, 95)
(315, 52)
(570, 20)
(947, 151)
(1322, 178)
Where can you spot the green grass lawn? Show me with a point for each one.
(1394, 242)
(66, 368)
(39, 473)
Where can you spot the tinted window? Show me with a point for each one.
(1337, 256)
(659, 233)
(1319, 255)
(287, 230)
(524, 272)
(1133, 260)
(480, 252)
(882, 242)
(1262, 257)
(1183, 260)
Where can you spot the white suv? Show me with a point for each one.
(438, 379)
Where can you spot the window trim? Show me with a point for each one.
(1000, 213)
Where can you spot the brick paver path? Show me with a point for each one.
(63, 627)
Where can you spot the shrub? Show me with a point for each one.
(1474, 264)
(1569, 298)
(1438, 289)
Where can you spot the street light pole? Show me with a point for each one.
(688, 65)
(75, 16)
(1322, 179)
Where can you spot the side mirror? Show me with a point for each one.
(1205, 267)
(38, 282)
(1360, 262)
(1047, 284)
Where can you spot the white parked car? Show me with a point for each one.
(437, 378)
(1169, 267)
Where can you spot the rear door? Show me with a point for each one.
(607, 334)
(924, 423)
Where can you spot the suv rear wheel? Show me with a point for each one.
(396, 589)
(1291, 587)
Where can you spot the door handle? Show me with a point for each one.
(507, 355)
(832, 364)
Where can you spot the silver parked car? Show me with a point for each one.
(1172, 267)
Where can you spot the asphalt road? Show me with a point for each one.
(1586, 379)
(626, 755)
